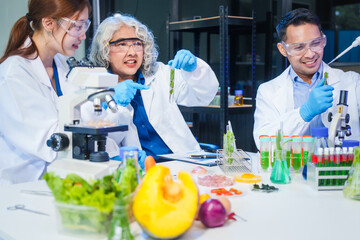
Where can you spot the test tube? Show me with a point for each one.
(350, 156)
(264, 151)
(338, 162)
(287, 148)
(307, 146)
(296, 152)
(333, 158)
(326, 164)
(320, 163)
(272, 149)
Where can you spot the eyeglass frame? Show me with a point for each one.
(127, 39)
(88, 21)
(323, 37)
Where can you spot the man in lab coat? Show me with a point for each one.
(299, 98)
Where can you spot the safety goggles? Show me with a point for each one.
(76, 27)
(300, 48)
(123, 45)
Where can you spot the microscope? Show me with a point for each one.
(81, 148)
(339, 127)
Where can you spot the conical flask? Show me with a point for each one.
(352, 184)
(280, 172)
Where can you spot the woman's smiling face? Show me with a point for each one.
(125, 64)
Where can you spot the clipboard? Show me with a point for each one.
(204, 158)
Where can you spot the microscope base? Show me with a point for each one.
(84, 168)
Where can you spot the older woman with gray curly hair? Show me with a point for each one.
(151, 89)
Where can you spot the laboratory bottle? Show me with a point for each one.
(264, 151)
(352, 184)
(320, 135)
(272, 149)
(239, 98)
(286, 146)
(296, 146)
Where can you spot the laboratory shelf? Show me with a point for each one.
(211, 24)
(223, 25)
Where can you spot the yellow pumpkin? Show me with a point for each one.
(165, 208)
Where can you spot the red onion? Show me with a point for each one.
(212, 213)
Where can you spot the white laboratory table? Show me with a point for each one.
(296, 211)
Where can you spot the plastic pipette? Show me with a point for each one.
(355, 43)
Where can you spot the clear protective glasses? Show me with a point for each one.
(300, 48)
(76, 28)
(123, 45)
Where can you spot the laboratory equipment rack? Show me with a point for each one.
(223, 25)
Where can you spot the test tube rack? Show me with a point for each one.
(327, 178)
(236, 163)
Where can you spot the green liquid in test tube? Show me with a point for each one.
(272, 150)
(264, 152)
(286, 144)
(307, 147)
(296, 152)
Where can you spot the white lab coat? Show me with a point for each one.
(275, 104)
(29, 115)
(195, 88)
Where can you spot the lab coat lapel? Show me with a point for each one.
(147, 95)
(283, 97)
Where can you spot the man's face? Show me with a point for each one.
(306, 64)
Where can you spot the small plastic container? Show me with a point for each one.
(85, 222)
(239, 98)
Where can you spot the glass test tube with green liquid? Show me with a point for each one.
(272, 150)
(264, 152)
(296, 153)
(307, 146)
(287, 148)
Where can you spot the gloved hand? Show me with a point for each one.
(125, 92)
(142, 156)
(184, 59)
(320, 99)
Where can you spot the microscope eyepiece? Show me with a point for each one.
(84, 62)
(72, 62)
(343, 97)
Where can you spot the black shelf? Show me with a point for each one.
(211, 24)
(223, 25)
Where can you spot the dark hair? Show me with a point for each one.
(296, 17)
(32, 21)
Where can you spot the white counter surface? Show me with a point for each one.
(296, 211)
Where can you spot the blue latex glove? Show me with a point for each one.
(125, 92)
(184, 59)
(320, 99)
(142, 156)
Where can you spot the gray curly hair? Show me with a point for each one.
(99, 53)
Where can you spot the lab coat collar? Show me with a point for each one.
(284, 91)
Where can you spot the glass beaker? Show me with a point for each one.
(280, 172)
(352, 184)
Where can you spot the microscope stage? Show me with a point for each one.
(94, 130)
(84, 168)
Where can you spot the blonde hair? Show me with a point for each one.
(99, 53)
